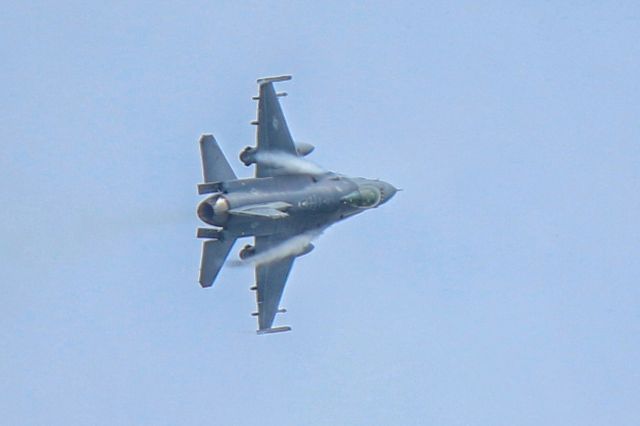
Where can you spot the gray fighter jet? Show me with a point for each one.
(288, 203)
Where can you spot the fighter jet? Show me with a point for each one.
(288, 203)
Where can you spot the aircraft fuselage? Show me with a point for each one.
(308, 202)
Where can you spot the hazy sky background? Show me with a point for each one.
(500, 288)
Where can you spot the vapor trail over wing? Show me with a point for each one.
(287, 164)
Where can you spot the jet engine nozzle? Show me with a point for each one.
(247, 252)
(248, 156)
(214, 210)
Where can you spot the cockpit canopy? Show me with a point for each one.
(364, 197)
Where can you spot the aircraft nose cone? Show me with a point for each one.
(387, 191)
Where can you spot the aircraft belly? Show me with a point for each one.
(309, 205)
(296, 222)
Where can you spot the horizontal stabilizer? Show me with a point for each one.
(215, 167)
(214, 253)
(273, 330)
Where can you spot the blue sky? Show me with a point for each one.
(500, 288)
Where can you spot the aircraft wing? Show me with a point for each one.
(270, 281)
(273, 132)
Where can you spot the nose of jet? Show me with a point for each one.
(387, 191)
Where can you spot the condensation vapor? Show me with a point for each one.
(291, 247)
(289, 162)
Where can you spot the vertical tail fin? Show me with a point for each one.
(215, 167)
(214, 253)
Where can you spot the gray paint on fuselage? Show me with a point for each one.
(316, 202)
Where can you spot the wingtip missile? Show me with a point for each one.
(273, 330)
(266, 80)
